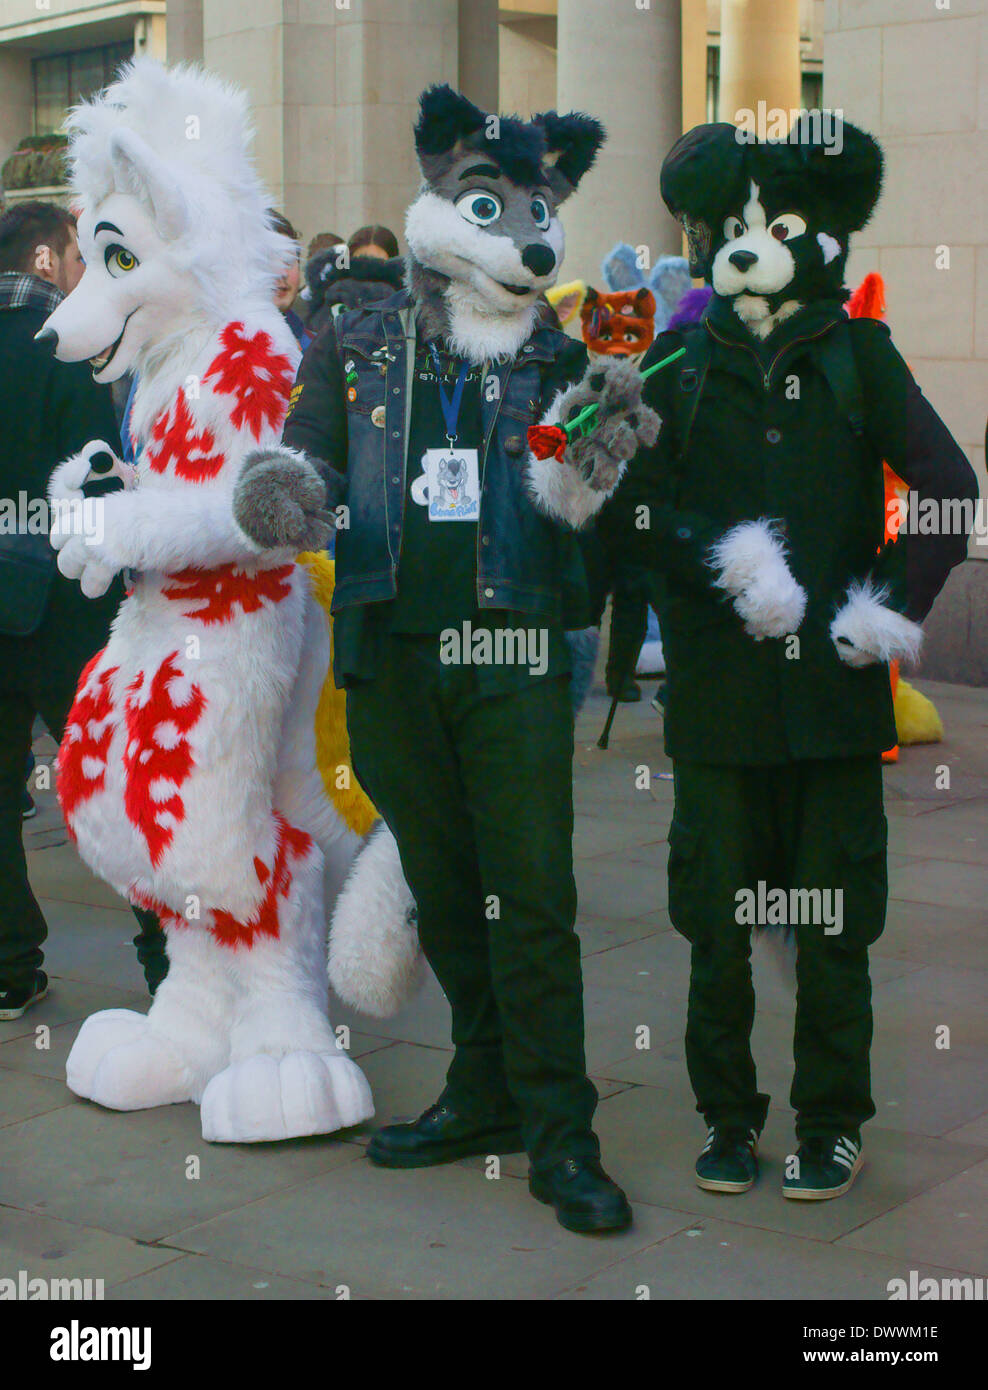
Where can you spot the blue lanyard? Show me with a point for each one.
(450, 408)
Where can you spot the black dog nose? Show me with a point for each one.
(742, 259)
(538, 258)
(48, 336)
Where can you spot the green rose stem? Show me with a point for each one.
(580, 422)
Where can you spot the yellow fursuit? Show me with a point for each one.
(332, 743)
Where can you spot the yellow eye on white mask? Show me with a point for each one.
(119, 261)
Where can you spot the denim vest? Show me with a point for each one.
(525, 562)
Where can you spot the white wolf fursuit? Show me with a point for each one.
(188, 774)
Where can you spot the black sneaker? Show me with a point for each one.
(728, 1161)
(825, 1168)
(28, 808)
(17, 1001)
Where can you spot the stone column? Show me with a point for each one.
(334, 86)
(184, 31)
(478, 52)
(759, 56)
(694, 63)
(622, 62)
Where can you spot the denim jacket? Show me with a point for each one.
(351, 414)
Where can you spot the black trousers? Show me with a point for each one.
(739, 831)
(38, 676)
(477, 790)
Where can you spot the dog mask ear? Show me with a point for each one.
(446, 121)
(571, 144)
(138, 170)
(846, 169)
(702, 178)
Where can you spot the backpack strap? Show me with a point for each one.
(842, 376)
(689, 387)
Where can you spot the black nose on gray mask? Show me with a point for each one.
(742, 259)
(539, 259)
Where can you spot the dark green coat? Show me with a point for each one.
(769, 440)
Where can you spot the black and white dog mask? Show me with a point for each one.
(483, 233)
(769, 222)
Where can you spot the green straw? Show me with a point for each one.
(588, 411)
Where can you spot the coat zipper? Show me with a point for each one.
(767, 375)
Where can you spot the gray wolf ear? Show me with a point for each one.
(139, 171)
(571, 144)
(446, 120)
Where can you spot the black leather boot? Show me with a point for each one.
(585, 1198)
(441, 1136)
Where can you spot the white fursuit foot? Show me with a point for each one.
(119, 1063)
(375, 961)
(865, 631)
(752, 567)
(266, 1098)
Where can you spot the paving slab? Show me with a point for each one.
(71, 1001)
(947, 1224)
(198, 1277)
(714, 1259)
(49, 1249)
(127, 1173)
(446, 1233)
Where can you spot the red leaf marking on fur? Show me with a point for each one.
(88, 732)
(290, 846)
(259, 378)
(192, 452)
(222, 590)
(150, 758)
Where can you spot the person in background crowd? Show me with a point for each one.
(48, 629)
(370, 271)
(286, 290)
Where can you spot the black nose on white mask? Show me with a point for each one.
(743, 260)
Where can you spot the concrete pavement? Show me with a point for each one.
(88, 1193)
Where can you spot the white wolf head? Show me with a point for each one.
(173, 222)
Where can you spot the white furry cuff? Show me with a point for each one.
(751, 565)
(865, 630)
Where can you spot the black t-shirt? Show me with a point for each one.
(437, 567)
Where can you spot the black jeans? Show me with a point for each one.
(817, 825)
(38, 676)
(478, 793)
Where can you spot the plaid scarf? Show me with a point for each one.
(19, 291)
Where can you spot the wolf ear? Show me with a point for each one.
(446, 118)
(571, 144)
(138, 170)
(620, 268)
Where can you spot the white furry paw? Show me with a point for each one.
(119, 1063)
(264, 1098)
(865, 631)
(751, 565)
(77, 561)
(375, 961)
